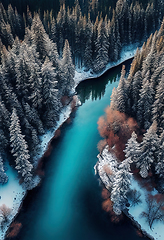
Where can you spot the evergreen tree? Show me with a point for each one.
(148, 150)
(50, 93)
(144, 117)
(159, 167)
(68, 70)
(20, 149)
(136, 86)
(101, 48)
(40, 37)
(121, 187)
(119, 96)
(33, 117)
(132, 150)
(158, 106)
(3, 176)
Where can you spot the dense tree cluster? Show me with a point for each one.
(140, 96)
(38, 55)
(32, 81)
(96, 35)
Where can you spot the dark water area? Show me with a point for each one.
(68, 204)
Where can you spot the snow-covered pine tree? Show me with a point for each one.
(136, 86)
(40, 37)
(88, 45)
(132, 150)
(33, 117)
(121, 187)
(3, 176)
(101, 48)
(35, 148)
(28, 75)
(4, 115)
(149, 148)
(51, 103)
(158, 106)
(119, 96)
(159, 167)
(3, 140)
(68, 69)
(144, 112)
(19, 150)
(53, 31)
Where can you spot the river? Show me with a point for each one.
(67, 205)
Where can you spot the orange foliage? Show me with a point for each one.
(105, 193)
(116, 218)
(101, 145)
(57, 133)
(102, 127)
(68, 120)
(107, 205)
(139, 233)
(14, 229)
(116, 128)
(159, 197)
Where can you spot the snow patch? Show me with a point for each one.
(106, 159)
(135, 211)
(11, 194)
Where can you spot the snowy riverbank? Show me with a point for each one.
(12, 193)
(105, 161)
(127, 53)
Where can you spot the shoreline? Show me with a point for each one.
(64, 115)
(106, 158)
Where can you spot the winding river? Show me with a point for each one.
(67, 205)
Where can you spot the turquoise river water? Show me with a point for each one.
(67, 205)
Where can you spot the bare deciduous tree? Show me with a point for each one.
(155, 209)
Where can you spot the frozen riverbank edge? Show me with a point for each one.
(133, 212)
(12, 194)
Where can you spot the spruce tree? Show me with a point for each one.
(121, 187)
(101, 48)
(68, 69)
(3, 176)
(148, 151)
(19, 149)
(50, 94)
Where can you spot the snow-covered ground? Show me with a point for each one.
(12, 193)
(135, 211)
(106, 159)
(127, 52)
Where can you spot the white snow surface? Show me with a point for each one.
(106, 158)
(135, 211)
(12, 193)
(127, 52)
(45, 139)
